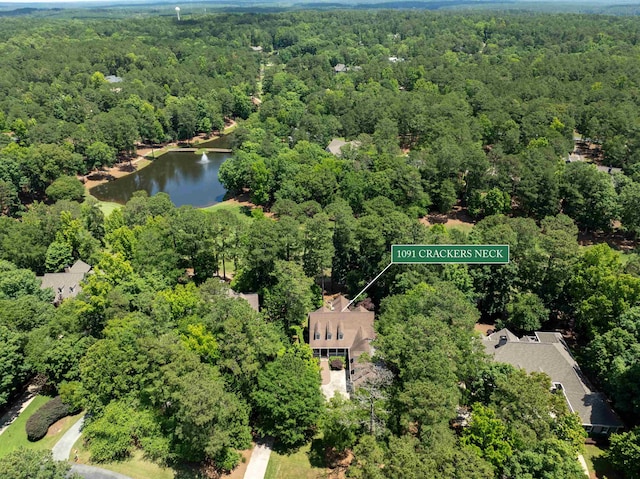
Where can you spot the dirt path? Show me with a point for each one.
(456, 217)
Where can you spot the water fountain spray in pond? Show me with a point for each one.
(204, 159)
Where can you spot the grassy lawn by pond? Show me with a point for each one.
(15, 436)
(301, 464)
(240, 210)
(107, 207)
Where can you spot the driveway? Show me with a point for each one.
(259, 459)
(333, 382)
(62, 449)
(90, 472)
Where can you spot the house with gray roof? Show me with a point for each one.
(336, 145)
(66, 285)
(340, 68)
(547, 352)
(336, 330)
(251, 298)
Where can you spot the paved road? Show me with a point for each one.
(259, 459)
(62, 449)
(90, 472)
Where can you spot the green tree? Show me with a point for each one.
(290, 299)
(13, 369)
(202, 419)
(33, 464)
(114, 435)
(368, 459)
(630, 213)
(59, 255)
(600, 291)
(99, 154)
(65, 188)
(488, 436)
(624, 453)
(446, 196)
(317, 244)
(589, 197)
(9, 201)
(526, 312)
(21, 282)
(288, 401)
(547, 459)
(339, 424)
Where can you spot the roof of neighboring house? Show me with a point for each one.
(609, 169)
(257, 48)
(335, 147)
(66, 285)
(79, 267)
(574, 157)
(113, 79)
(341, 68)
(355, 326)
(251, 298)
(547, 352)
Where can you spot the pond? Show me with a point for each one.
(188, 178)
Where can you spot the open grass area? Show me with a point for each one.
(301, 464)
(137, 467)
(464, 227)
(106, 206)
(15, 436)
(598, 466)
(241, 211)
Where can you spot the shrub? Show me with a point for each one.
(38, 424)
(336, 363)
(65, 188)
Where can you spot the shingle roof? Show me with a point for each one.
(64, 285)
(356, 328)
(79, 267)
(550, 354)
(251, 298)
(335, 147)
(609, 169)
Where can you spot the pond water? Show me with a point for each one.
(188, 178)
(220, 142)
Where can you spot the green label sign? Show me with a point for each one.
(450, 254)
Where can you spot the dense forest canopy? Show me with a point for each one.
(478, 111)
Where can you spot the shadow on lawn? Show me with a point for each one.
(316, 454)
(604, 469)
